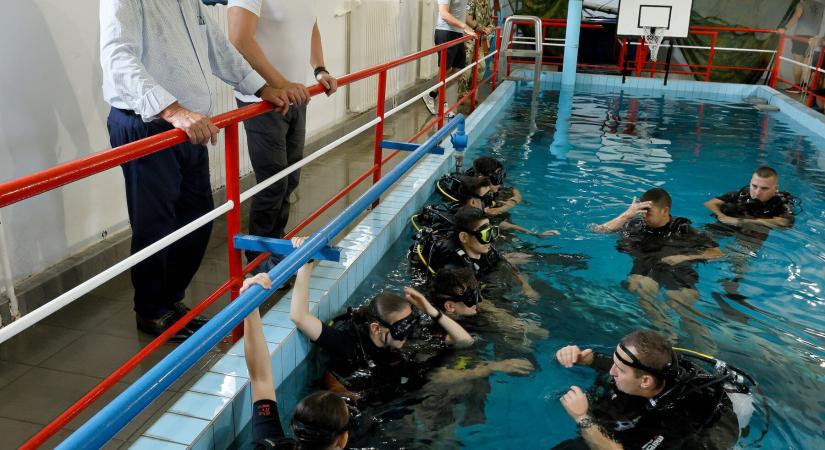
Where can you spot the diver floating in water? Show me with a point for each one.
(663, 249)
(657, 397)
(749, 214)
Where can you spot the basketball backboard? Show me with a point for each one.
(671, 18)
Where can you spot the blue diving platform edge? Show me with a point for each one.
(281, 247)
(113, 417)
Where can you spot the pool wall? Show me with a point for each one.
(218, 405)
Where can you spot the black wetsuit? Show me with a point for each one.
(445, 252)
(701, 420)
(267, 432)
(648, 245)
(372, 372)
(740, 204)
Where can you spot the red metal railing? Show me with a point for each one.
(640, 64)
(19, 189)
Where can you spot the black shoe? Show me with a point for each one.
(180, 310)
(156, 327)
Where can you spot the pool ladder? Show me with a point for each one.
(506, 52)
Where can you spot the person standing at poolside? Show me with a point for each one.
(451, 25)
(154, 56)
(808, 22)
(281, 41)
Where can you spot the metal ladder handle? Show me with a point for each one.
(506, 41)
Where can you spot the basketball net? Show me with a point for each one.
(653, 39)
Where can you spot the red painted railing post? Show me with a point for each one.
(815, 81)
(495, 59)
(640, 57)
(476, 54)
(233, 217)
(379, 127)
(622, 54)
(777, 61)
(713, 38)
(442, 89)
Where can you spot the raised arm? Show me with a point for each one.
(255, 349)
(456, 334)
(299, 309)
(619, 221)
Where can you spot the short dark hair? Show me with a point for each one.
(467, 218)
(652, 349)
(766, 172)
(470, 186)
(487, 165)
(447, 281)
(387, 303)
(658, 197)
(319, 419)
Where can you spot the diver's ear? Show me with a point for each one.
(463, 237)
(374, 327)
(342, 440)
(449, 306)
(648, 381)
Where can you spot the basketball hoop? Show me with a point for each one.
(653, 39)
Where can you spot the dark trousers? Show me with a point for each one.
(164, 191)
(275, 142)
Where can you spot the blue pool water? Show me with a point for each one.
(584, 169)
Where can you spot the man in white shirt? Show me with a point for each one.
(281, 41)
(154, 57)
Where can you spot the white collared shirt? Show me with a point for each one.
(156, 52)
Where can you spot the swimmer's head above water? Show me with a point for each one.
(456, 291)
(492, 169)
(391, 320)
(474, 191)
(321, 421)
(473, 230)
(657, 214)
(764, 184)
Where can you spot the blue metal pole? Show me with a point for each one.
(571, 42)
(119, 412)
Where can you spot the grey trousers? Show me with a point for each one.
(275, 141)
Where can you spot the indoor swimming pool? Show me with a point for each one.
(759, 306)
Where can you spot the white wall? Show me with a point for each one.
(51, 111)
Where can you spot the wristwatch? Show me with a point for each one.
(584, 422)
(319, 70)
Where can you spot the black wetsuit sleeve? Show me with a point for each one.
(700, 241)
(602, 362)
(337, 343)
(729, 197)
(267, 432)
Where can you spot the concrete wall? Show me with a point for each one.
(51, 111)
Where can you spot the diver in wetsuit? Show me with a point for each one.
(749, 214)
(321, 419)
(505, 197)
(663, 249)
(364, 344)
(655, 398)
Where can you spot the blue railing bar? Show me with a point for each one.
(407, 147)
(281, 247)
(98, 430)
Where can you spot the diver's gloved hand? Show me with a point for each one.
(572, 354)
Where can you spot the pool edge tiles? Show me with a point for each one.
(706, 90)
(226, 386)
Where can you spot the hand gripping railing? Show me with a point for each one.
(507, 39)
(117, 414)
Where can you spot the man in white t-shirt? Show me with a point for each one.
(452, 15)
(281, 41)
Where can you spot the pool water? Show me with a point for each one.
(584, 168)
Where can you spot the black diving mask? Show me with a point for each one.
(399, 330)
(670, 370)
(497, 178)
(486, 234)
(470, 297)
